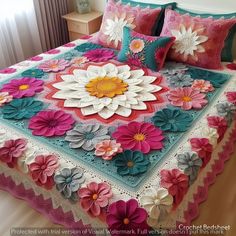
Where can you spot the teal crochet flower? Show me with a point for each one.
(35, 73)
(190, 163)
(24, 108)
(172, 120)
(72, 54)
(131, 163)
(87, 46)
(216, 79)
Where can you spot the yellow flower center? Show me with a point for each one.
(54, 66)
(108, 149)
(186, 99)
(126, 221)
(1, 98)
(130, 164)
(23, 87)
(95, 196)
(139, 137)
(137, 45)
(106, 87)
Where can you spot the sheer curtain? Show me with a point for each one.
(19, 33)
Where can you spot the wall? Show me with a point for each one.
(211, 6)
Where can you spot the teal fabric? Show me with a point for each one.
(147, 56)
(160, 21)
(227, 52)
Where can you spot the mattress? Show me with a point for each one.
(137, 99)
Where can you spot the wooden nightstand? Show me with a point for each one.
(83, 24)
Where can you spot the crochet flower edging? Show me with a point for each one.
(200, 196)
(45, 207)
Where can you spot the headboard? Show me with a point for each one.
(201, 6)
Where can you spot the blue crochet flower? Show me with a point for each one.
(172, 120)
(87, 46)
(180, 79)
(68, 181)
(24, 108)
(190, 163)
(34, 73)
(172, 68)
(131, 163)
(226, 110)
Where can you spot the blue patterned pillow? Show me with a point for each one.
(144, 51)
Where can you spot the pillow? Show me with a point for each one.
(144, 51)
(199, 41)
(227, 52)
(170, 5)
(117, 15)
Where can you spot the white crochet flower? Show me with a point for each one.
(188, 41)
(157, 202)
(25, 160)
(211, 134)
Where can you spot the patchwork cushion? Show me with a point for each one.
(227, 52)
(117, 15)
(144, 51)
(199, 41)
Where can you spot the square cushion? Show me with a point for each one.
(144, 51)
(227, 52)
(117, 15)
(199, 41)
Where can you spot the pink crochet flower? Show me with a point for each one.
(187, 98)
(203, 148)
(95, 197)
(99, 55)
(231, 66)
(54, 65)
(51, 123)
(11, 150)
(53, 51)
(78, 61)
(138, 136)
(43, 169)
(69, 45)
(134, 61)
(128, 217)
(136, 45)
(176, 182)
(8, 71)
(108, 149)
(36, 58)
(203, 86)
(5, 98)
(219, 123)
(231, 96)
(24, 87)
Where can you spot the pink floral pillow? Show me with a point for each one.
(117, 15)
(199, 41)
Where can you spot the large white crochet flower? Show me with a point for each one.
(157, 202)
(114, 28)
(188, 41)
(107, 90)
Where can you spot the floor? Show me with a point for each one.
(219, 209)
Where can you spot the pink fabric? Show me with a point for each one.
(208, 54)
(142, 20)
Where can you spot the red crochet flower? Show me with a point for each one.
(11, 150)
(51, 123)
(176, 182)
(218, 123)
(43, 169)
(203, 148)
(231, 96)
(95, 197)
(128, 217)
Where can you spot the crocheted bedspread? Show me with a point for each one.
(129, 146)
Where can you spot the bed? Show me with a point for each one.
(84, 136)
